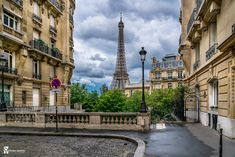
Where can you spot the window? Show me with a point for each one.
(52, 71)
(11, 20)
(24, 97)
(52, 21)
(36, 8)
(36, 35)
(158, 75)
(212, 34)
(169, 75)
(180, 74)
(169, 85)
(197, 52)
(213, 94)
(53, 43)
(10, 60)
(36, 72)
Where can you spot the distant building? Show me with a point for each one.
(167, 73)
(133, 87)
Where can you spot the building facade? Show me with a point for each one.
(207, 45)
(37, 35)
(131, 88)
(167, 73)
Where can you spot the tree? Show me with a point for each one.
(104, 88)
(110, 101)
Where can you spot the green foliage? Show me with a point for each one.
(80, 95)
(104, 88)
(110, 101)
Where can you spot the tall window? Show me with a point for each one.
(10, 62)
(169, 74)
(180, 74)
(212, 33)
(36, 35)
(36, 69)
(52, 71)
(213, 94)
(197, 52)
(11, 20)
(158, 75)
(36, 8)
(52, 21)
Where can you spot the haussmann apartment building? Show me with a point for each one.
(207, 45)
(37, 36)
(168, 73)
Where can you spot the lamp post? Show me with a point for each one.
(143, 53)
(3, 60)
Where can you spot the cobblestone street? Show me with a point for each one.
(57, 146)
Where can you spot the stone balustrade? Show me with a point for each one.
(85, 120)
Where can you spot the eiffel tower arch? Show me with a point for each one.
(120, 76)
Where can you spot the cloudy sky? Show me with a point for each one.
(149, 23)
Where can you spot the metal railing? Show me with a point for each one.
(18, 2)
(37, 18)
(169, 64)
(37, 76)
(57, 4)
(192, 19)
(199, 4)
(212, 50)
(42, 46)
(9, 70)
(71, 18)
(53, 29)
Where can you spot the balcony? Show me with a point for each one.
(56, 6)
(55, 52)
(196, 65)
(212, 50)
(9, 70)
(18, 3)
(37, 76)
(71, 60)
(71, 19)
(71, 42)
(12, 31)
(192, 21)
(42, 47)
(53, 32)
(37, 19)
(199, 4)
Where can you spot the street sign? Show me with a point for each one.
(55, 90)
(55, 83)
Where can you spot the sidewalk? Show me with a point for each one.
(174, 140)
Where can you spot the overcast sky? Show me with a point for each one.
(149, 23)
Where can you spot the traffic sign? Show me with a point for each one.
(55, 83)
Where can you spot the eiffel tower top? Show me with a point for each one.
(120, 76)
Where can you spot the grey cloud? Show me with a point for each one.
(97, 57)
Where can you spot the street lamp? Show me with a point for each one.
(3, 60)
(143, 53)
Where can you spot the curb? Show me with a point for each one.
(139, 152)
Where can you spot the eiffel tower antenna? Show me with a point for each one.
(120, 76)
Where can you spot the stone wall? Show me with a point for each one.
(89, 120)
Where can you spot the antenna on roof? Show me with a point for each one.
(120, 16)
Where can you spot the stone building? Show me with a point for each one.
(133, 87)
(167, 73)
(37, 35)
(207, 46)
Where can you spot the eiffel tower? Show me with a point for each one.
(120, 76)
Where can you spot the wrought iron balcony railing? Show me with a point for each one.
(71, 19)
(57, 4)
(192, 19)
(37, 18)
(40, 45)
(199, 4)
(233, 28)
(18, 2)
(55, 52)
(9, 70)
(37, 76)
(196, 65)
(212, 50)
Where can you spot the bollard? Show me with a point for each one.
(221, 143)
